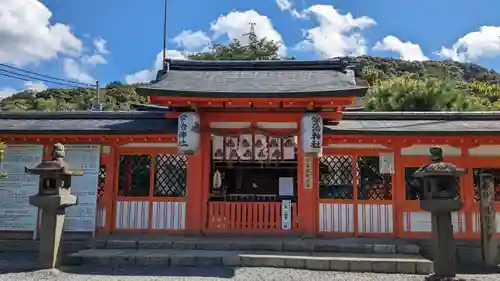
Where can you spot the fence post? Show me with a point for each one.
(489, 247)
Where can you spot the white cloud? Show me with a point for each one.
(35, 86)
(146, 75)
(94, 60)
(100, 45)
(73, 70)
(7, 92)
(28, 86)
(192, 41)
(284, 5)
(287, 5)
(406, 50)
(484, 43)
(336, 34)
(27, 34)
(235, 24)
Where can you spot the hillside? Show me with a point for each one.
(447, 69)
(465, 86)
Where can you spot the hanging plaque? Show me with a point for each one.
(286, 214)
(312, 134)
(188, 133)
(308, 172)
(386, 163)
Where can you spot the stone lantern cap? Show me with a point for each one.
(439, 169)
(57, 166)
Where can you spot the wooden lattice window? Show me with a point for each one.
(413, 188)
(170, 175)
(102, 180)
(371, 183)
(336, 177)
(133, 178)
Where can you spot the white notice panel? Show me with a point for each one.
(81, 217)
(16, 213)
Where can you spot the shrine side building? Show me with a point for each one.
(248, 148)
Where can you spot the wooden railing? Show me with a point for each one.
(248, 217)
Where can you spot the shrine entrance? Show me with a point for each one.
(253, 187)
(246, 128)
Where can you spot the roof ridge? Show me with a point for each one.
(256, 65)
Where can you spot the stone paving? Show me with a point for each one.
(16, 267)
(364, 262)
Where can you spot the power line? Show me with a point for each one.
(46, 76)
(26, 78)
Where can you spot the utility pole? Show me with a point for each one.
(98, 103)
(165, 35)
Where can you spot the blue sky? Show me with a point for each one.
(120, 40)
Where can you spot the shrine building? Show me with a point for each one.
(253, 147)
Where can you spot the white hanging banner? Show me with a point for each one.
(82, 216)
(218, 147)
(312, 134)
(16, 213)
(260, 147)
(188, 133)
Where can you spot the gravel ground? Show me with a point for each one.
(16, 267)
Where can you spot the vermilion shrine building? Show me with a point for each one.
(248, 148)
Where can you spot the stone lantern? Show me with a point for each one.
(440, 183)
(54, 196)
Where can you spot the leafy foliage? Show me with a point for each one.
(398, 85)
(113, 97)
(395, 84)
(256, 49)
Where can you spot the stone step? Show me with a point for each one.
(380, 263)
(293, 245)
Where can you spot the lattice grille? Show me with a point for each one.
(414, 190)
(496, 178)
(133, 178)
(372, 184)
(336, 177)
(170, 175)
(102, 180)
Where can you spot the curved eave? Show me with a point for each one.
(356, 91)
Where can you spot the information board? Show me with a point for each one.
(16, 214)
(81, 217)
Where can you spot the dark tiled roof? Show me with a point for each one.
(154, 122)
(87, 123)
(254, 79)
(442, 123)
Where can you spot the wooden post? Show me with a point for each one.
(489, 247)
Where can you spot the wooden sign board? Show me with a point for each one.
(308, 172)
(487, 219)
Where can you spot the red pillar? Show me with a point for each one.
(197, 185)
(307, 198)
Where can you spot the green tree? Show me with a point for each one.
(256, 49)
(410, 94)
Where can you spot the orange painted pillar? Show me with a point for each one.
(108, 198)
(196, 187)
(307, 200)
